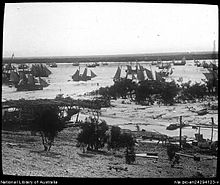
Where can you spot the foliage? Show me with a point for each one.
(169, 92)
(114, 137)
(171, 151)
(48, 123)
(148, 91)
(126, 140)
(130, 155)
(120, 140)
(165, 91)
(196, 90)
(93, 133)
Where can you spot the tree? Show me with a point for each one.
(114, 137)
(48, 123)
(169, 92)
(126, 140)
(122, 140)
(196, 90)
(93, 133)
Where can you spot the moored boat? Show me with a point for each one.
(53, 64)
(175, 126)
(87, 75)
(23, 66)
(75, 64)
(92, 65)
(30, 83)
(180, 63)
(104, 63)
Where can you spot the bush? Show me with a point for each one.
(114, 137)
(194, 91)
(152, 90)
(126, 140)
(168, 92)
(93, 133)
(48, 123)
(120, 140)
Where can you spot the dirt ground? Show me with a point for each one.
(23, 155)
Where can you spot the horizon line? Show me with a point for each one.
(103, 55)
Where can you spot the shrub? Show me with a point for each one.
(48, 123)
(168, 92)
(93, 133)
(114, 137)
(196, 90)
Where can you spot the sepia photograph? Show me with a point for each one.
(110, 90)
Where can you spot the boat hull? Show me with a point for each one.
(29, 87)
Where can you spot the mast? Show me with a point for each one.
(140, 75)
(214, 61)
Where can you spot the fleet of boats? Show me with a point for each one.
(140, 73)
(29, 78)
(25, 78)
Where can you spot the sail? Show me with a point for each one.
(14, 77)
(129, 69)
(211, 74)
(140, 75)
(93, 74)
(33, 70)
(153, 73)
(46, 71)
(76, 76)
(31, 79)
(158, 76)
(141, 67)
(43, 82)
(149, 74)
(84, 75)
(22, 75)
(117, 74)
(41, 70)
(23, 79)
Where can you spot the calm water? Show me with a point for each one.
(61, 82)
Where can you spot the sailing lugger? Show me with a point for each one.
(138, 74)
(30, 83)
(40, 70)
(83, 77)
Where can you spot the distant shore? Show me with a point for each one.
(205, 55)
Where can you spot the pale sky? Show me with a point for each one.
(73, 29)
